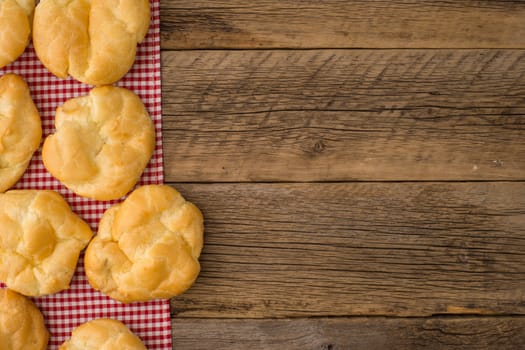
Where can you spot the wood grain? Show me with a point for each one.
(342, 24)
(340, 249)
(481, 333)
(344, 115)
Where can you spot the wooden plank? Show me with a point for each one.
(340, 249)
(342, 24)
(483, 333)
(338, 115)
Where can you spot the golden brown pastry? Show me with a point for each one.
(40, 241)
(20, 129)
(21, 323)
(102, 144)
(102, 333)
(94, 41)
(147, 247)
(15, 28)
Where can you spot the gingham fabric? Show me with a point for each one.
(66, 310)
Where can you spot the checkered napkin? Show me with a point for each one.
(68, 309)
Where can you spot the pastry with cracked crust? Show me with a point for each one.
(147, 247)
(21, 323)
(102, 333)
(40, 241)
(20, 129)
(94, 41)
(102, 144)
(15, 28)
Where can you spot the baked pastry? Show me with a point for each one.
(15, 28)
(20, 129)
(21, 323)
(40, 242)
(94, 41)
(147, 247)
(102, 333)
(102, 144)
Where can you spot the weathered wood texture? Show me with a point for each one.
(339, 249)
(481, 333)
(332, 115)
(338, 115)
(342, 24)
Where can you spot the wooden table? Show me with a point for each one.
(360, 166)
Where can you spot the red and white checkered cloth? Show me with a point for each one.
(66, 310)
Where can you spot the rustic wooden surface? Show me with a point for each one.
(457, 333)
(360, 166)
(338, 249)
(342, 115)
(235, 24)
